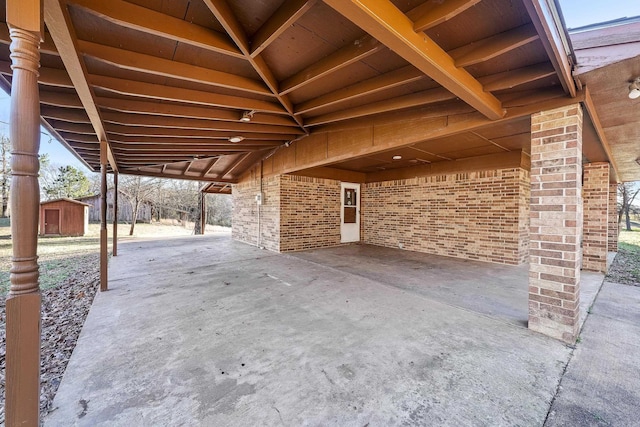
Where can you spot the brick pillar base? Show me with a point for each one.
(614, 227)
(596, 216)
(556, 222)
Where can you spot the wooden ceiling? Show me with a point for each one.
(166, 83)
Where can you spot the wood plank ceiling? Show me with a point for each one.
(167, 83)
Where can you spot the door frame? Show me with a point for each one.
(357, 187)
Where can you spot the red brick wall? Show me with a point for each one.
(596, 218)
(475, 215)
(309, 213)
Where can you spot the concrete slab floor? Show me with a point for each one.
(207, 331)
(601, 386)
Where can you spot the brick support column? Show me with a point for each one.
(556, 222)
(596, 216)
(614, 227)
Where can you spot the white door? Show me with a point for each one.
(350, 212)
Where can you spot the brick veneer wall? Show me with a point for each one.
(476, 215)
(309, 213)
(556, 222)
(614, 227)
(245, 212)
(596, 218)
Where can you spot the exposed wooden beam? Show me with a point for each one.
(513, 78)
(288, 13)
(187, 111)
(553, 39)
(59, 24)
(59, 99)
(182, 133)
(485, 49)
(64, 114)
(78, 137)
(171, 93)
(369, 137)
(48, 76)
(149, 64)
(353, 52)
(421, 98)
(175, 140)
(432, 13)
(64, 143)
(210, 166)
(78, 128)
(232, 166)
(189, 123)
(177, 149)
(385, 22)
(186, 169)
(146, 20)
(227, 19)
(402, 76)
(597, 124)
(144, 171)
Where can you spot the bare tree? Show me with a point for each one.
(627, 192)
(5, 172)
(137, 190)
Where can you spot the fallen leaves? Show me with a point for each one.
(64, 310)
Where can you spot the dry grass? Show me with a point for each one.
(60, 257)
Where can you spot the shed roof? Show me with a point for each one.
(64, 199)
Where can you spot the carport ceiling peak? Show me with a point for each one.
(155, 77)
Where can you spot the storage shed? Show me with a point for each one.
(64, 217)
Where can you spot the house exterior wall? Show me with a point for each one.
(476, 215)
(309, 213)
(245, 212)
(72, 217)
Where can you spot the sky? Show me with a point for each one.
(577, 13)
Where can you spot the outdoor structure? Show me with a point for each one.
(464, 128)
(64, 217)
(125, 212)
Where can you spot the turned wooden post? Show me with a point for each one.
(103, 217)
(23, 301)
(114, 251)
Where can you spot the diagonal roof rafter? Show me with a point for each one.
(58, 22)
(382, 20)
(227, 19)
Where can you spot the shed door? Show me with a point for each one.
(350, 213)
(51, 221)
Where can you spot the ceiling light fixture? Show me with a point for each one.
(634, 88)
(247, 116)
(236, 138)
(397, 157)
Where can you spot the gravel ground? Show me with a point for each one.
(64, 310)
(625, 268)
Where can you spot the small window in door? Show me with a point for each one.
(349, 196)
